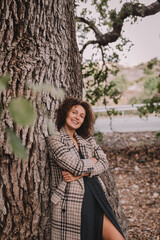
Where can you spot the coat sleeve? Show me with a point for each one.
(66, 159)
(102, 162)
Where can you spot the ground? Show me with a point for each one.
(135, 162)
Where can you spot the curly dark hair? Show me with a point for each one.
(87, 128)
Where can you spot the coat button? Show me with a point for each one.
(63, 210)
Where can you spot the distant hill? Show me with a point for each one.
(142, 81)
(137, 83)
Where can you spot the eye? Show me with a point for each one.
(73, 111)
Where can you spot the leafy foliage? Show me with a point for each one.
(16, 145)
(152, 106)
(97, 87)
(97, 21)
(22, 111)
(49, 88)
(148, 83)
(152, 86)
(151, 63)
(99, 136)
(120, 83)
(4, 80)
(23, 114)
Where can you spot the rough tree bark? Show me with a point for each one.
(37, 45)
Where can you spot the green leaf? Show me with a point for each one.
(4, 82)
(158, 135)
(17, 148)
(22, 111)
(55, 92)
(151, 63)
(51, 127)
(99, 136)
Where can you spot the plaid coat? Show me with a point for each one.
(66, 199)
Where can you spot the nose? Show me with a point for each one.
(77, 116)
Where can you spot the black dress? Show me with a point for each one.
(95, 205)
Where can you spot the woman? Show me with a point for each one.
(80, 209)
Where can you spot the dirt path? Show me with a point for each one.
(135, 162)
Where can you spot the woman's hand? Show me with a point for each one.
(68, 177)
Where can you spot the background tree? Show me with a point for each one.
(151, 90)
(38, 46)
(106, 27)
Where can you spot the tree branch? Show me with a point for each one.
(90, 24)
(86, 44)
(127, 10)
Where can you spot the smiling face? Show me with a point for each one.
(75, 118)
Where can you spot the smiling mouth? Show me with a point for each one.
(74, 121)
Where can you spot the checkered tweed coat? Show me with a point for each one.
(66, 199)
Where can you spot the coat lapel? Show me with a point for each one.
(81, 142)
(66, 136)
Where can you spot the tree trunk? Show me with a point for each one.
(37, 45)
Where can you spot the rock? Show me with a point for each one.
(155, 195)
(134, 186)
(116, 169)
(154, 185)
(133, 139)
(136, 168)
(141, 191)
(147, 136)
(123, 201)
